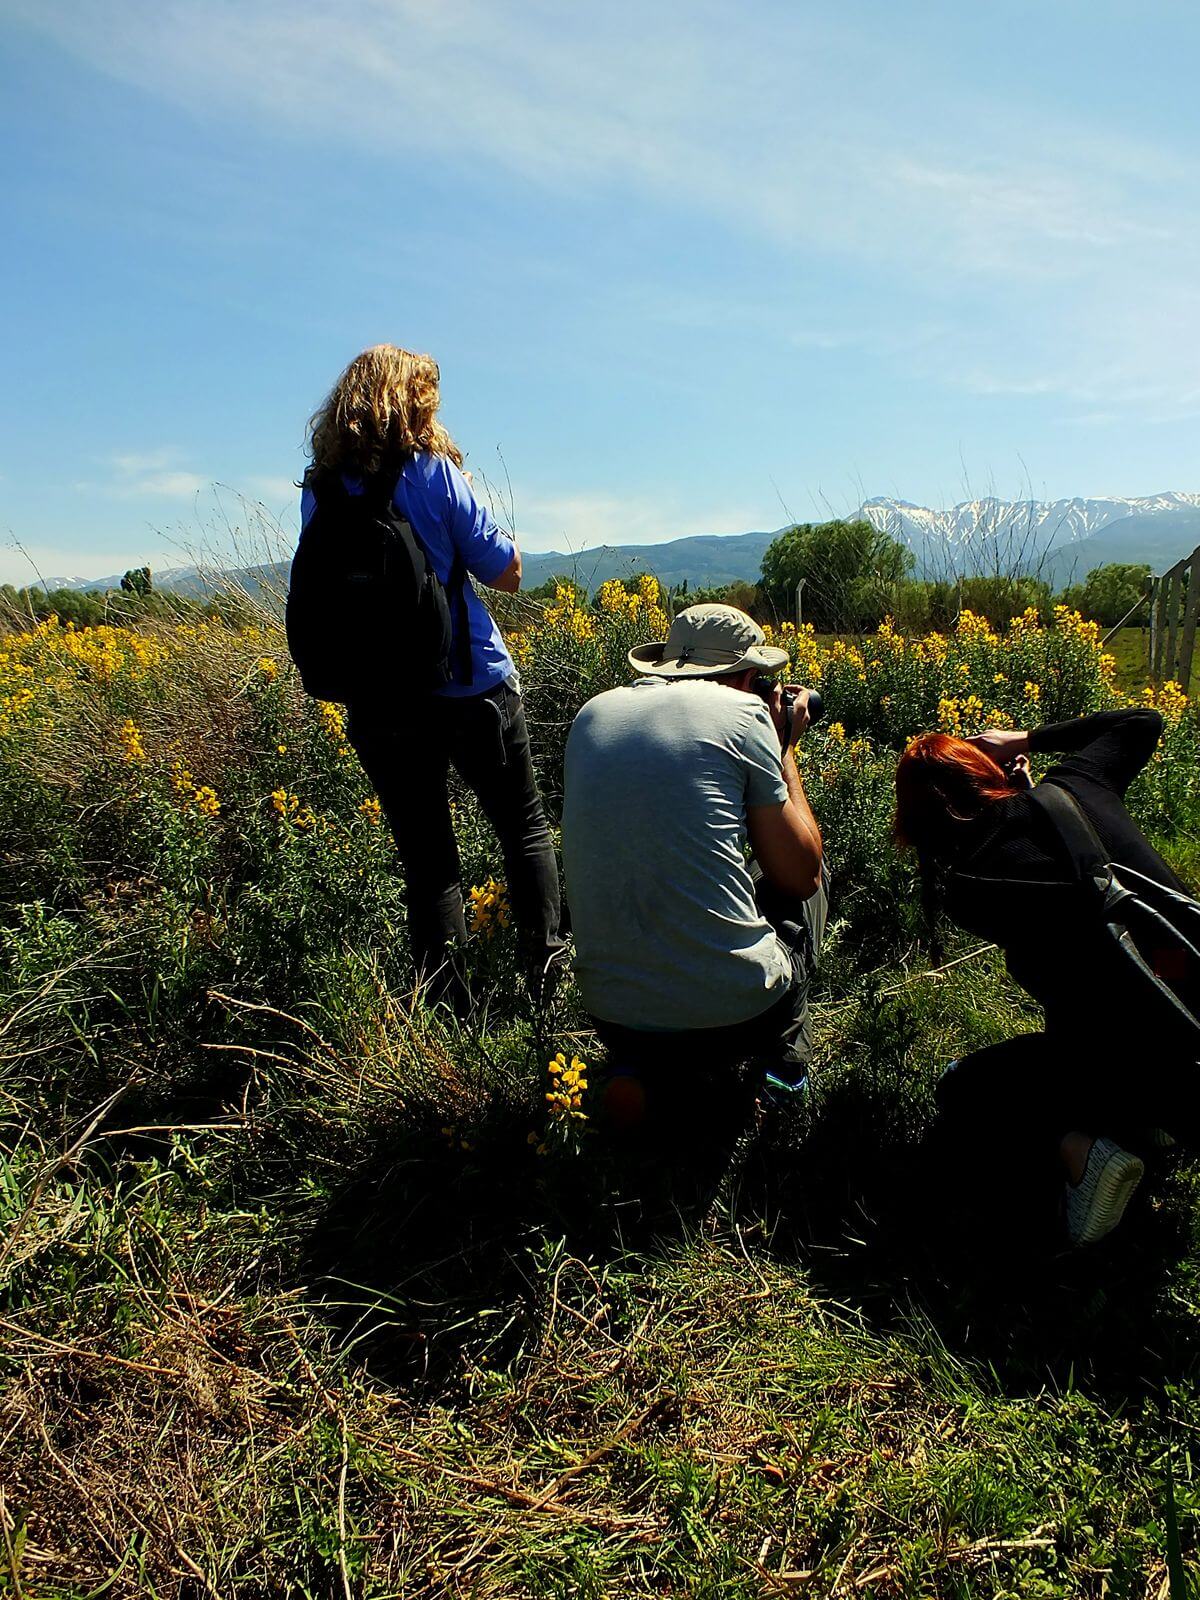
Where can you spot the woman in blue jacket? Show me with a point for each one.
(380, 424)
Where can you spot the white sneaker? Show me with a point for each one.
(1096, 1204)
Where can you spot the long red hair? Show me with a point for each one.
(942, 781)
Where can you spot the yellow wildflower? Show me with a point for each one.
(520, 648)
(612, 597)
(949, 715)
(130, 736)
(973, 629)
(206, 802)
(489, 907)
(333, 721)
(568, 1082)
(1028, 622)
(1170, 700)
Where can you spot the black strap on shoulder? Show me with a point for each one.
(1074, 830)
(323, 484)
(462, 665)
(379, 490)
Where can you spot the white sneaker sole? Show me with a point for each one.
(1120, 1176)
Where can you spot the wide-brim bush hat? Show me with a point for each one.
(708, 641)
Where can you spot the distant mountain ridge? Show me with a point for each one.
(1057, 539)
(1060, 540)
(1053, 522)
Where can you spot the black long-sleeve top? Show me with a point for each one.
(1051, 944)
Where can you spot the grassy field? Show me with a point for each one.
(1131, 648)
(305, 1290)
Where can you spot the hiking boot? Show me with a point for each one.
(781, 1092)
(1096, 1204)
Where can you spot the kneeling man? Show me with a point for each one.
(687, 953)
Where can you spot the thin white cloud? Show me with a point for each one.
(276, 492)
(573, 522)
(735, 111)
(1057, 244)
(154, 474)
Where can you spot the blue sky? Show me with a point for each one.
(686, 267)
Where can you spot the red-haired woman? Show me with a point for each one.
(1093, 1077)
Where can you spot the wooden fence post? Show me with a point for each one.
(1174, 582)
(1191, 610)
(1158, 627)
(1174, 614)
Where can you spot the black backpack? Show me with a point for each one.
(1141, 938)
(367, 617)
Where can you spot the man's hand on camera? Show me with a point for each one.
(1002, 744)
(779, 716)
(800, 716)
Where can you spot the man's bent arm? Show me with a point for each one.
(786, 839)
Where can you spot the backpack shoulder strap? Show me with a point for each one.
(462, 662)
(1074, 831)
(326, 485)
(462, 670)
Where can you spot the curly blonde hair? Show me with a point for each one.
(380, 412)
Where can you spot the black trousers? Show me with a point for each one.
(407, 758)
(1029, 1091)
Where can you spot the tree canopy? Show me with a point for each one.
(850, 572)
(1109, 592)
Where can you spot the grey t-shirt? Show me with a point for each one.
(658, 779)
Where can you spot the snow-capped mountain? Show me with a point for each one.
(1046, 524)
(1059, 540)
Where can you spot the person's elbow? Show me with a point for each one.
(1145, 727)
(509, 580)
(787, 850)
(800, 877)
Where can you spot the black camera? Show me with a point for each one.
(764, 688)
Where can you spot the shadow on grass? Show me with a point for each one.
(890, 1222)
(436, 1248)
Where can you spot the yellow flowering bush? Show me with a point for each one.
(889, 686)
(489, 907)
(206, 802)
